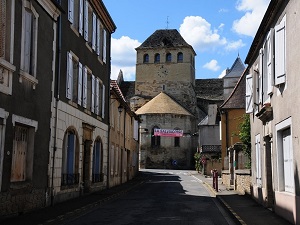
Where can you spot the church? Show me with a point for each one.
(170, 101)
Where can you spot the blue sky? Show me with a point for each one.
(218, 30)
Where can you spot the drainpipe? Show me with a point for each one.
(57, 81)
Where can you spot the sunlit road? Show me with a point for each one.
(165, 197)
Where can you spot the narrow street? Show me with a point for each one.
(165, 197)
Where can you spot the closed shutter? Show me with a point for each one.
(270, 58)
(84, 81)
(69, 76)
(93, 94)
(98, 37)
(258, 160)
(28, 41)
(103, 101)
(80, 84)
(249, 94)
(280, 52)
(71, 11)
(94, 31)
(260, 76)
(97, 97)
(104, 46)
(80, 25)
(2, 27)
(86, 20)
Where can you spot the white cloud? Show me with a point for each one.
(254, 12)
(235, 45)
(123, 57)
(212, 65)
(198, 33)
(222, 74)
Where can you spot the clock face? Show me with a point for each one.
(162, 71)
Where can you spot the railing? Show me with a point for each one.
(211, 148)
(69, 179)
(97, 177)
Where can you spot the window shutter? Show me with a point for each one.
(260, 75)
(93, 94)
(71, 11)
(2, 27)
(270, 63)
(97, 97)
(86, 20)
(103, 101)
(104, 45)
(98, 37)
(288, 161)
(258, 160)
(80, 83)
(280, 57)
(28, 41)
(69, 76)
(94, 31)
(84, 97)
(80, 26)
(249, 94)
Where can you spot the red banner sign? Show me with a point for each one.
(168, 133)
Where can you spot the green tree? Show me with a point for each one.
(245, 135)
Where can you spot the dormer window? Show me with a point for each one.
(157, 58)
(146, 58)
(168, 57)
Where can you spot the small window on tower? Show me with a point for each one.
(146, 58)
(180, 57)
(169, 57)
(157, 58)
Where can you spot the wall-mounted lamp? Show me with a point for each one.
(120, 108)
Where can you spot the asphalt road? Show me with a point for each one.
(165, 197)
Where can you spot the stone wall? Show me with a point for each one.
(226, 178)
(243, 181)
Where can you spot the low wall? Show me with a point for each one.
(243, 181)
(226, 178)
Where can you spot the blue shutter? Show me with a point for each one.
(70, 153)
(79, 83)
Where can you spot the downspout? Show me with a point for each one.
(56, 103)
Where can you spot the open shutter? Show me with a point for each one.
(280, 50)
(270, 63)
(249, 94)
(94, 31)
(103, 101)
(98, 37)
(69, 76)
(93, 94)
(86, 20)
(97, 97)
(104, 45)
(80, 84)
(71, 11)
(84, 96)
(260, 76)
(28, 41)
(80, 25)
(258, 160)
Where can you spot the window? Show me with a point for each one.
(23, 151)
(146, 58)
(29, 42)
(74, 79)
(258, 160)
(157, 58)
(97, 175)
(155, 140)
(285, 156)
(280, 52)
(70, 157)
(75, 14)
(180, 57)
(168, 57)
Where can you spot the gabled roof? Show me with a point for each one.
(162, 104)
(165, 38)
(114, 85)
(236, 70)
(237, 98)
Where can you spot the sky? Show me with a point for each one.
(218, 30)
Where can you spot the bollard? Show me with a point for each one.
(215, 180)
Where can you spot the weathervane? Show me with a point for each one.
(167, 22)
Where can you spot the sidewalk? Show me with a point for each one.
(243, 208)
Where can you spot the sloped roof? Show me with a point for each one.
(209, 89)
(114, 85)
(236, 70)
(237, 99)
(164, 38)
(162, 104)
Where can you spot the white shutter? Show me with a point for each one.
(84, 96)
(93, 94)
(97, 97)
(104, 46)
(69, 76)
(94, 31)
(280, 52)
(249, 94)
(288, 161)
(86, 20)
(80, 26)
(71, 11)
(260, 76)
(79, 83)
(270, 63)
(258, 160)
(103, 101)
(98, 37)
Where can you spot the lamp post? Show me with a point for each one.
(140, 144)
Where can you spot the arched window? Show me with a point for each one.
(176, 140)
(97, 175)
(70, 158)
(180, 57)
(157, 58)
(168, 57)
(155, 140)
(146, 58)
